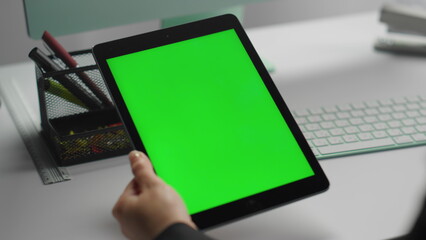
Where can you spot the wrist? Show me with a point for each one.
(175, 229)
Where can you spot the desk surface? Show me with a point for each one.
(322, 62)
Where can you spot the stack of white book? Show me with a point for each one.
(406, 23)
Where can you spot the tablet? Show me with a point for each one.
(198, 100)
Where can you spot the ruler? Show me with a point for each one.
(43, 160)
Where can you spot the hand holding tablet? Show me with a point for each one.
(148, 206)
(198, 100)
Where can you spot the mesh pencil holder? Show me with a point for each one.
(75, 132)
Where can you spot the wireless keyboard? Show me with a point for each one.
(364, 127)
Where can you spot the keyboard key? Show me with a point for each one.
(337, 132)
(380, 134)
(313, 126)
(409, 130)
(419, 137)
(399, 108)
(301, 120)
(301, 113)
(320, 142)
(394, 132)
(356, 146)
(309, 135)
(314, 119)
(385, 117)
(398, 115)
(371, 111)
(329, 117)
(316, 111)
(357, 113)
(421, 128)
(358, 106)
(413, 114)
(350, 138)
(385, 109)
(351, 129)
(365, 136)
(421, 120)
(342, 123)
(327, 125)
(370, 119)
(366, 128)
(413, 106)
(315, 151)
(344, 115)
(409, 122)
(335, 140)
(380, 126)
(400, 100)
(372, 104)
(403, 139)
(345, 107)
(322, 134)
(394, 124)
(356, 121)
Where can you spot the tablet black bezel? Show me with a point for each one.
(246, 206)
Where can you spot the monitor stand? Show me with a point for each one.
(238, 11)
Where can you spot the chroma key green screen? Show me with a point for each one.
(207, 121)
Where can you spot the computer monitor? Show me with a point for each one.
(62, 17)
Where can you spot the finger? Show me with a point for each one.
(129, 192)
(131, 189)
(142, 169)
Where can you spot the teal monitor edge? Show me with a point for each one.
(62, 17)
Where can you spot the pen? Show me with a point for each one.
(61, 53)
(58, 90)
(401, 45)
(49, 65)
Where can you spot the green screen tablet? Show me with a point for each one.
(206, 112)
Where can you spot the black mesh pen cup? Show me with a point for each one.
(78, 120)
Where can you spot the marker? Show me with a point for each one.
(61, 53)
(58, 90)
(43, 61)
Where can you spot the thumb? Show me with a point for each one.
(142, 169)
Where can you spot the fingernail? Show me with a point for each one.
(135, 155)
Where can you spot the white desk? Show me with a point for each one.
(324, 62)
